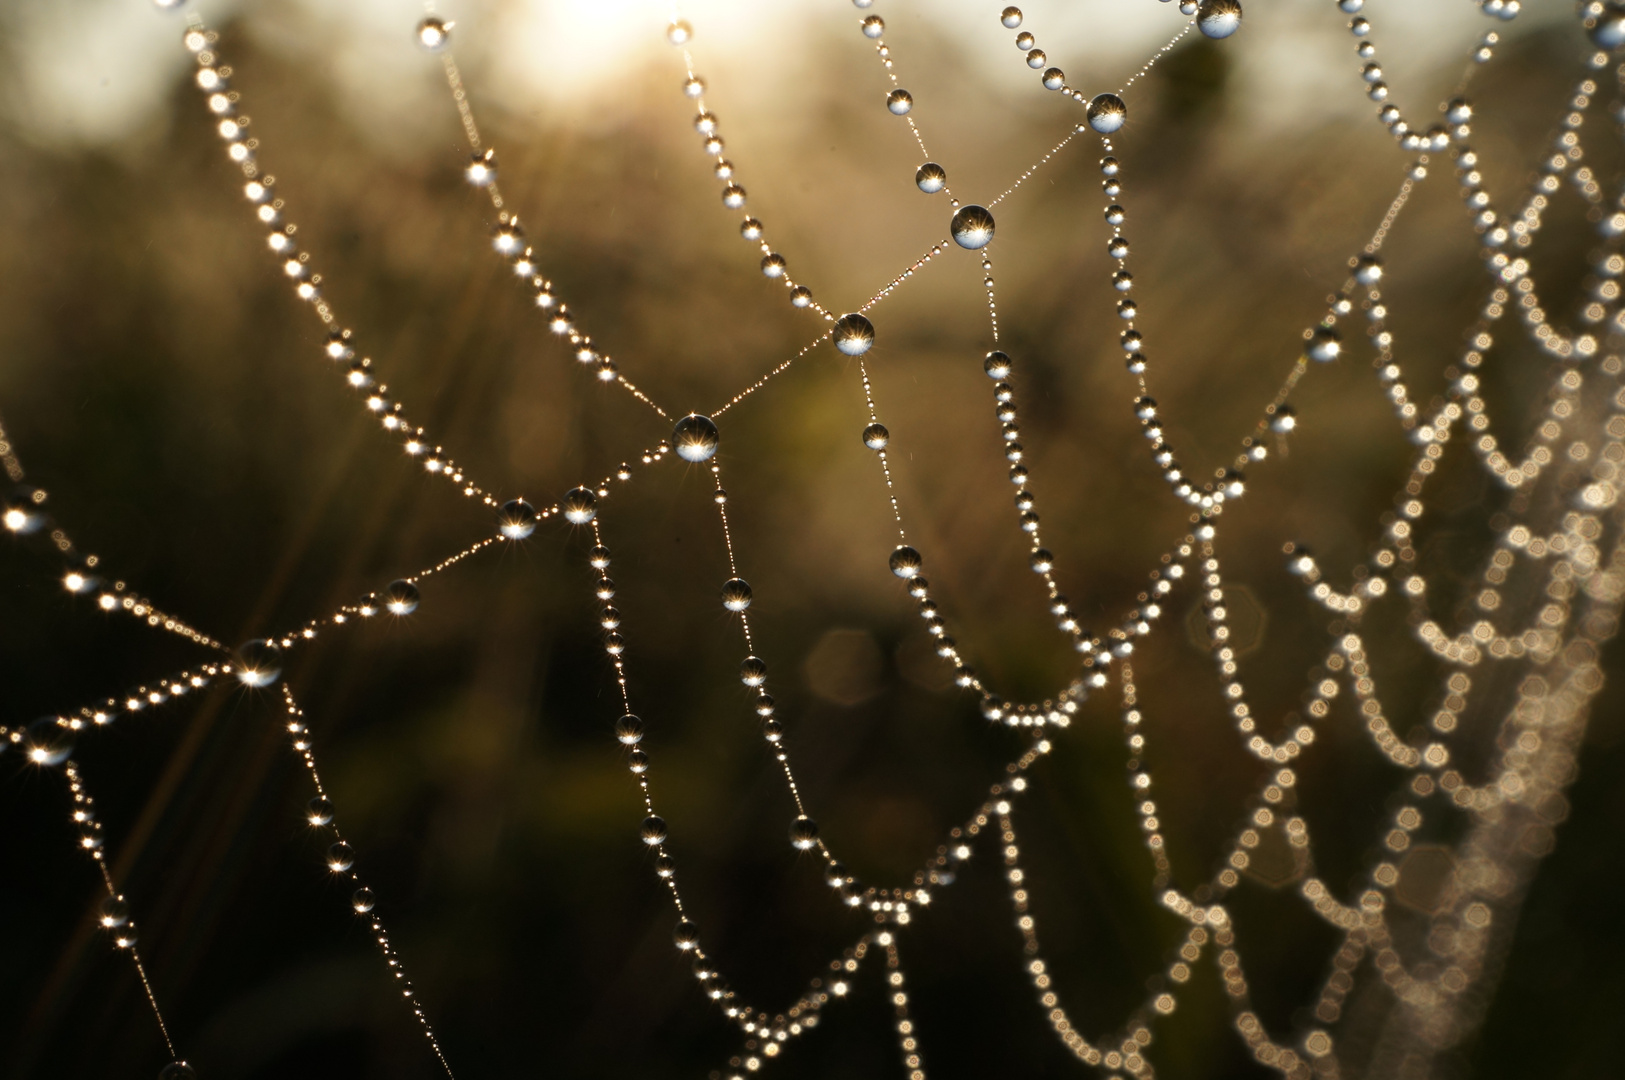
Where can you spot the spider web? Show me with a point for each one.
(1548, 594)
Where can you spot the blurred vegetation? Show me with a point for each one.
(161, 382)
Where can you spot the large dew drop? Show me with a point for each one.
(259, 663)
(972, 227)
(931, 178)
(854, 334)
(434, 34)
(401, 597)
(905, 562)
(1107, 113)
(1219, 18)
(49, 742)
(517, 519)
(695, 438)
(580, 506)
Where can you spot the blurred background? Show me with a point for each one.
(160, 381)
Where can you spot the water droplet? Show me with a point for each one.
(654, 830)
(695, 438)
(905, 562)
(1368, 270)
(177, 1070)
(854, 334)
(1325, 345)
(801, 296)
(1117, 247)
(997, 365)
(1010, 17)
(1025, 41)
(1054, 79)
(1041, 561)
(629, 730)
(167, 5)
(580, 506)
(1609, 29)
(598, 557)
(115, 912)
(803, 833)
(638, 762)
(753, 671)
(773, 265)
(401, 597)
(733, 197)
(319, 811)
(1107, 113)
(972, 227)
(931, 178)
(1284, 420)
(665, 866)
(517, 519)
(875, 436)
(1218, 18)
(679, 32)
(340, 857)
(434, 34)
(482, 170)
(259, 663)
(736, 594)
(1036, 59)
(874, 26)
(686, 936)
(899, 101)
(750, 229)
(362, 900)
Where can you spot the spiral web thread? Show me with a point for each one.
(1550, 592)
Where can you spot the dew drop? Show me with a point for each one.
(874, 26)
(259, 663)
(362, 900)
(115, 912)
(1218, 18)
(875, 436)
(1010, 17)
(401, 597)
(899, 102)
(931, 178)
(905, 562)
(972, 227)
(803, 833)
(177, 1070)
(434, 34)
(1054, 78)
(686, 936)
(1368, 270)
(629, 730)
(1036, 59)
(854, 334)
(340, 857)
(580, 506)
(1609, 29)
(736, 595)
(319, 811)
(679, 32)
(1325, 345)
(753, 671)
(695, 438)
(654, 830)
(517, 519)
(482, 169)
(997, 365)
(1284, 420)
(1107, 113)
